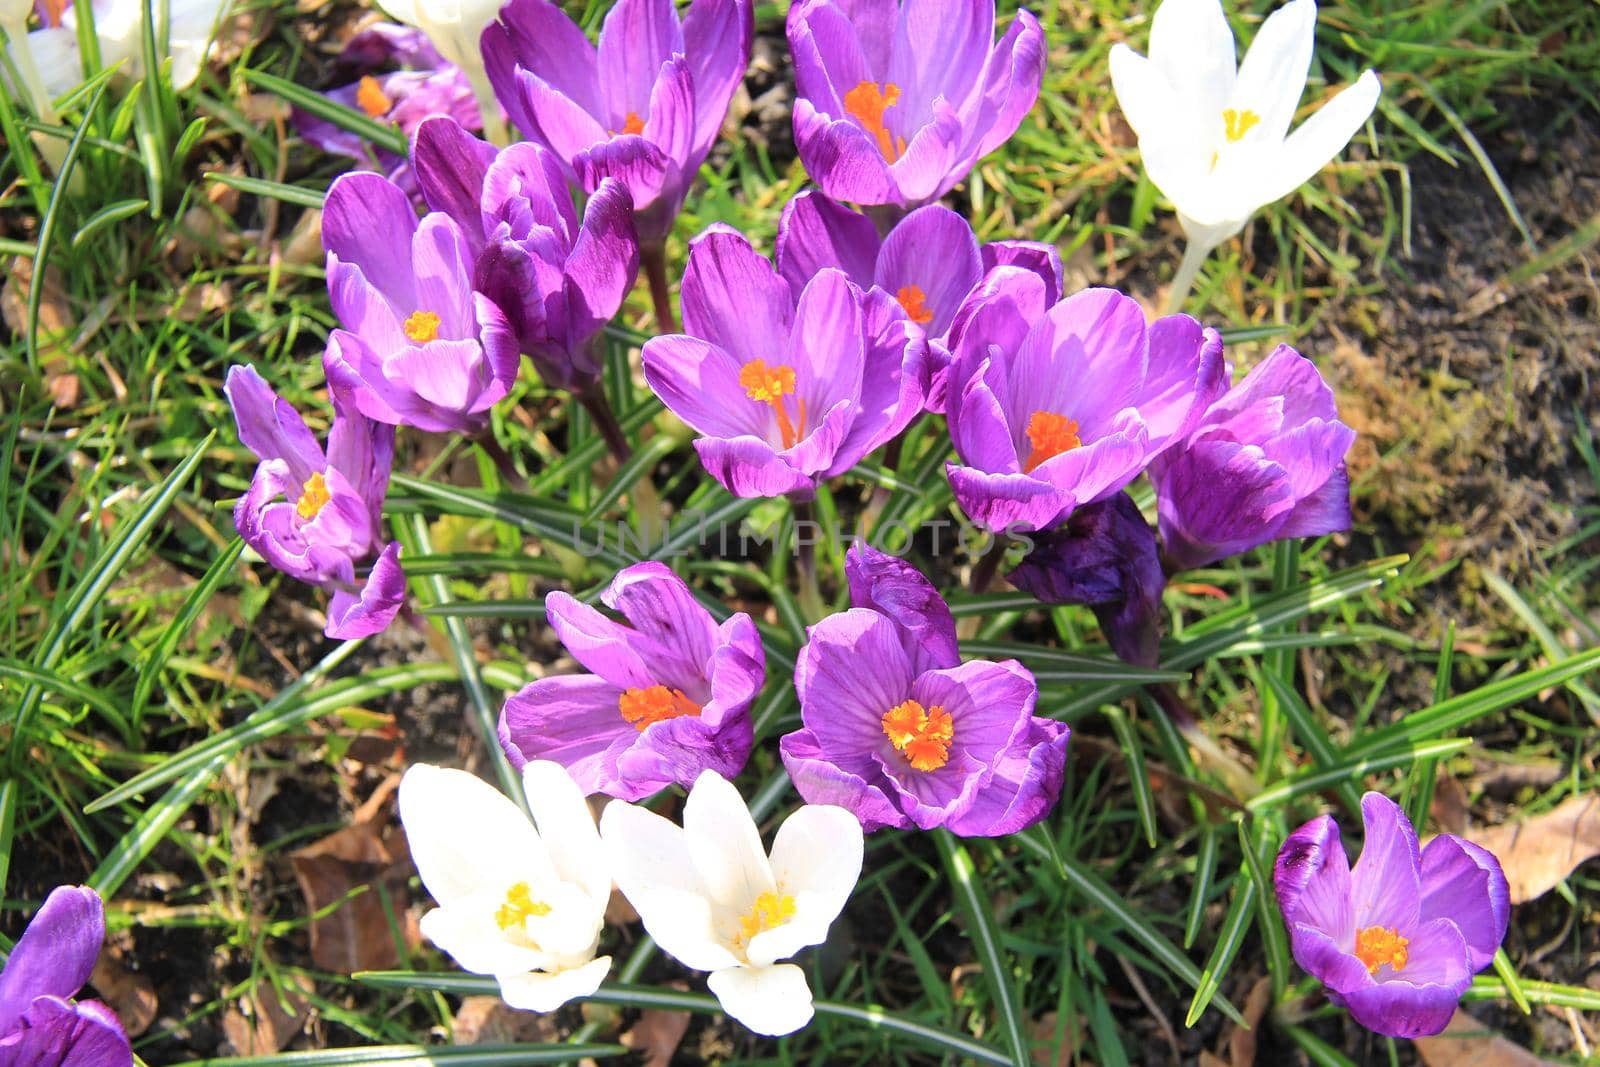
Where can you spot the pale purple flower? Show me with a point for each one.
(40, 1024)
(1053, 408)
(901, 732)
(668, 694)
(312, 514)
(1265, 462)
(558, 280)
(644, 106)
(930, 262)
(1397, 940)
(420, 346)
(786, 392)
(898, 100)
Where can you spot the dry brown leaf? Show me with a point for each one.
(1046, 1052)
(491, 1021)
(1241, 1040)
(129, 993)
(656, 1035)
(1466, 1042)
(1538, 853)
(1449, 808)
(266, 1020)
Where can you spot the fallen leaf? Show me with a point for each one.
(1449, 809)
(1046, 1051)
(656, 1035)
(491, 1021)
(1466, 1042)
(1538, 853)
(268, 1018)
(1241, 1041)
(129, 993)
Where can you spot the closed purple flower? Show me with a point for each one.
(1053, 408)
(425, 85)
(313, 514)
(558, 280)
(901, 732)
(1397, 940)
(644, 106)
(1265, 462)
(1105, 556)
(40, 1024)
(897, 100)
(419, 346)
(930, 262)
(668, 694)
(786, 392)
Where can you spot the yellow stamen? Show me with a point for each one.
(769, 385)
(1237, 123)
(313, 495)
(1378, 945)
(632, 124)
(1050, 435)
(655, 704)
(422, 326)
(769, 910)
(866, 103)
(923, 737)
(519, 907)
(371, 98)
(914, 300)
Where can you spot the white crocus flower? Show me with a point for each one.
(1214, 136)
(522, 904)
(119, 29)
(713, 899)
(455, 27)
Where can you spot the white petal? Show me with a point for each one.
(539, 991)
(650, 860)
(55, 54)
(1191, 44)
(466, 836)
(1273, 74)
(769, 1000)
(725, 845)
(471, 938)
(1147, 100)
(571, 926)
(566, 825)
(401, 11)
(1319, 139)
(816, 859)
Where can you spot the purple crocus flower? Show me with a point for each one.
(40, 1024)
(645, 106)
(930, 262)
(1105, 556)
(333, 509)
(426, 85)
(558, 280)
(419, 345)
(898, 730)
(1265, 462)
(1397, 940)
(897, 100)
(1054, 409)
(668, 695)
(786, 391)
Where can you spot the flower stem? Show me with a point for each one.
(494, 127)
(593, 398)
(501, 459)
(987, 567)
(1194, 257)
(805, 561)
(653, 257)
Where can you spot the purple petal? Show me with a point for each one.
(524, 188)
(1284, 374)
(575, 721)
(939, 49)
(1038, 257)
(254, 517)
(55, 953)
(749, 467)
(1086, 361)
(1025, 787)
(1326, 510)
(894, 380)
(931, 165)
(367, 221)
(933, 251)
(671, 124)
(677, 751)
(361, 450)
(58, 1033)
(604, 262)
(537, 35)
(638, 36)
(563, 124)
(1016, 503)
(269, 426)
(1187, 374)
(373, 607)
(1323, 958)
(820, 780)
(852, 671)
(1399, 1008)
(354, 378)
(660, 607)
(991, 704)
(827, 346)
(1463, 882)
(842, 158)
(1012, 81)
(1312, 879)
(990, 328)
(1216, 498)
(815, 233)
(717, 35)
(450, 165)
(1386, 885)
(608, 648)
(732, 297)
(698, 381)
(830, 58)
(897, 590)
(651, 177)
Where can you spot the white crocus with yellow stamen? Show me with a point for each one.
(713, 899)
(455, 28)
(522, 904)
(1214, 136)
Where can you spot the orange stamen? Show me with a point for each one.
(632, 124)
(866, 103)
(1050, 435)
(313, 495)
(914, 300)
(642, 707)
(1378, 945)
(769, 385)
(422, 326)
(371, 98)
(923, 737)
(769, 910)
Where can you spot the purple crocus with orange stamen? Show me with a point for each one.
(557, 278)
(901, 732)
(1397, 940)
(668, 695)
(1265, 462)
(930, 262)
(644, 106)
(899, 98)
(1055, 408)
(787, 391)
(425, 85)
(420, 346)
(313, 514)
(40, 1024)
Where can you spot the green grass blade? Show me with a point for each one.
(1352, 769)
(1317, 1050)
(1205, 869)
(630, 474)
(151, 827)
(297, 195)
(106, 216)
(221, 570)
(985, 935)
(1508, 974)
(1311, 734)
(1553, 993)
(8, 823)
(1144, 800)
(382, 134)
(1232, 935)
